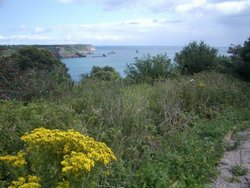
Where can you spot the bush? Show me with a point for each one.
(244, 69)
(243, 65)
(240, 57)
(225, 65)
(148, 69)
(16, 119)
(102, 73)
(31, 73)
(58, 157)
(164, 135)
(195, 58)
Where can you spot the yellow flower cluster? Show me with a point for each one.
(28, 182)
(15, 160)
(75, 163)
(80, 152)
(201, 85)
(64, 184)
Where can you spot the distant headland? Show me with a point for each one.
(60, 51)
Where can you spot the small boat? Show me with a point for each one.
(136, 51)
(112, 52)
(99, 55)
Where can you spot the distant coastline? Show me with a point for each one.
(60, 51)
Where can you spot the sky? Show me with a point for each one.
(125, 22)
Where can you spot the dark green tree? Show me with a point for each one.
(32, 73)
(196, 57)
(243, 69)
(240, 57)
(149, 69)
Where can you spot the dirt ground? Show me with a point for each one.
(234, 167)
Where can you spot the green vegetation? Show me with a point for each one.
(150, 69)
(32, 73)
(164, 128)
(238, 170)
(74, 156)
(241, 60)
(102, 73)
(196, 57)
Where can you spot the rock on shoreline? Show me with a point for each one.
(74, 51)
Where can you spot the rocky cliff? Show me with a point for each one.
(77, 50)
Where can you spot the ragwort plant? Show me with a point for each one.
(59, 158)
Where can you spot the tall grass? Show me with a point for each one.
(166, 134)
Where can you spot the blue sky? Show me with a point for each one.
(120, 22)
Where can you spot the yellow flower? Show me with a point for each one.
(201, 85)
(30, 185)
(76, 163)
(28, 182)
(80, 152)
(34, 179)
(15, 161)
(64, 184)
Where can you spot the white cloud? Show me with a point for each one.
(118, 4)
(22, 39)
(232, 7)
(185, 7)
(40, 30)
(172, 22)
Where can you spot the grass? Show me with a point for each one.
(167, 134)
(238, 170)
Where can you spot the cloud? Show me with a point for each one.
(232, 7)
(40, 30)
(23, 39)
(110, 5)
(179, 8)
(162, 22)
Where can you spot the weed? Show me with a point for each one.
(238, 170)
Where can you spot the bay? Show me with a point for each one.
(118, 57)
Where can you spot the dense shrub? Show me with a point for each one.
(196, 57)
(225, 65)
(16, 119)
(240, 57)
(31, 73)
(148, 69)
(58, 158)
(164, 135)
(102, 73)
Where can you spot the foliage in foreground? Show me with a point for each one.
(163, 134)
(57, 158)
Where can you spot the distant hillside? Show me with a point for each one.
(60, 51)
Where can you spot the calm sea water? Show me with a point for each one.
(123, 55)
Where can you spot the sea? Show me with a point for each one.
(119, 57)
